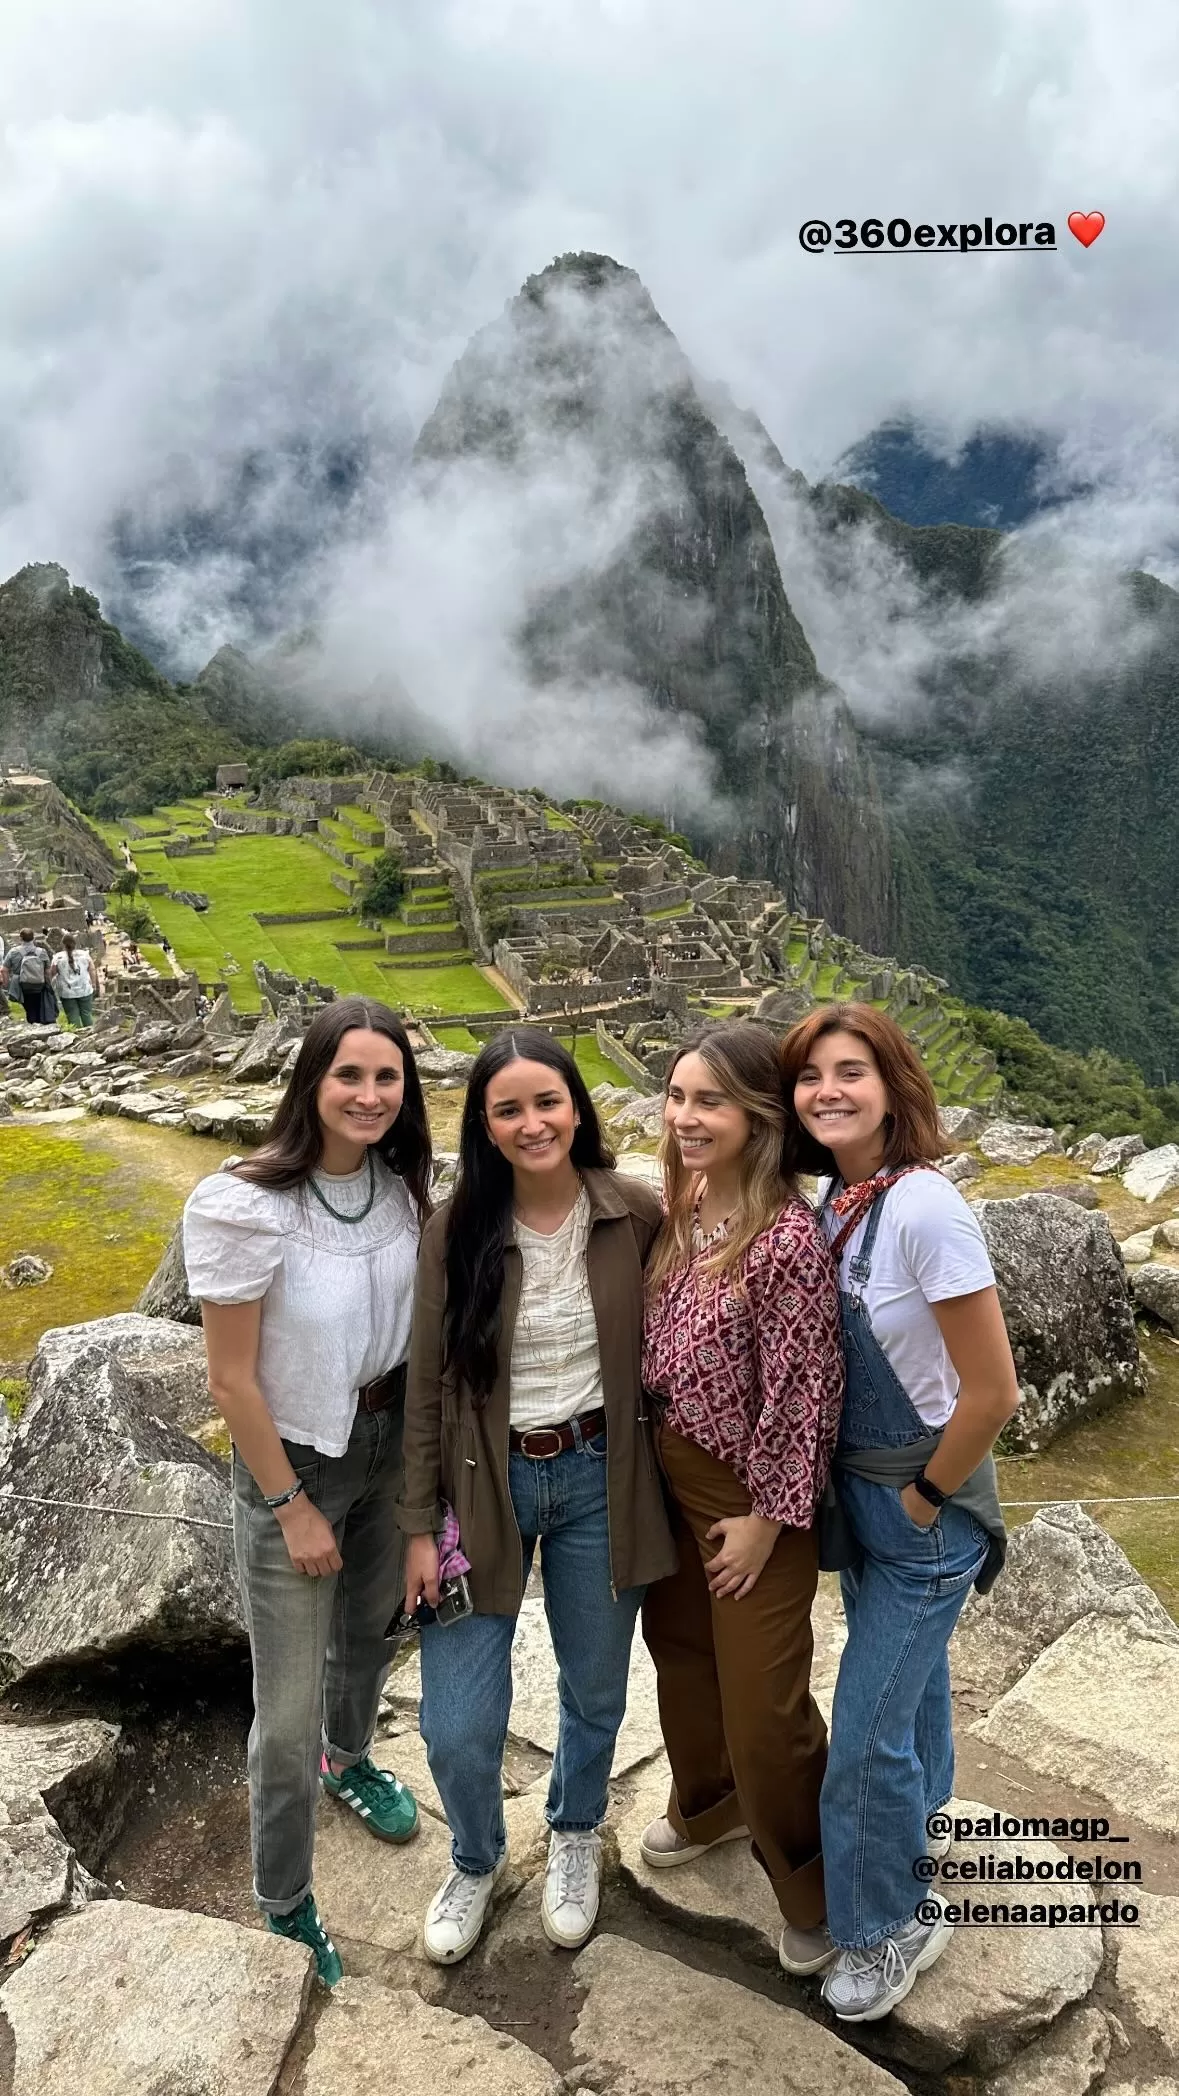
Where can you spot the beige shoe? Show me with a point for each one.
(662, 1848)
(806, 1950)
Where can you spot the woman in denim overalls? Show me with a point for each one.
(915, 1481)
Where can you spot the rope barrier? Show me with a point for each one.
(82, 1506)
(1104, 1499)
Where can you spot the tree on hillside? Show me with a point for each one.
(384, 888)
(313, 758)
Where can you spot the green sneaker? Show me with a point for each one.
(387, 1808)
(303, 1925)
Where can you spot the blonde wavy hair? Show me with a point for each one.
(743, 1058)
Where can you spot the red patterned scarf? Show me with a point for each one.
(855, 1201)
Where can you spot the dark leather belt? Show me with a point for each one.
(384, 1389)
(537, 1442)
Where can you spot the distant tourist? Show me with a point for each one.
(930, 1383)
(26, 976)
(303, 1259)
(72, 976)
(525, 1414)
(741, 1354)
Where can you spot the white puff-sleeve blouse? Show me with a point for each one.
(336, 1297)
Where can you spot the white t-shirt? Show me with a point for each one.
(929, 1247)
(336, 1297)
(556, 1371)
(73, 977)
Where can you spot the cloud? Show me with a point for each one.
(230, 231)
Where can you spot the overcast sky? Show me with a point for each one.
(223, 222)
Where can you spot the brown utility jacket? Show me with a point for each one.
(458, 1451)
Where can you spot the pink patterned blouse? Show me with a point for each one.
(756, 1381)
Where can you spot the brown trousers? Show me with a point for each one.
(746, 1742)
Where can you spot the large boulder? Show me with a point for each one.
(127, 2000)
(963, 1124)
(162, 1362)
(47, 1770)
(1069, 1316)
(1098, 1713)
(266, 1050)
(651, 2026)
(373, 2040)
(1018, 1142)
(1060, 1566)
(1156, 1289)
(1116, 1153)
(1153, 1174)
(117, 1530)
(166, 1294)
(444, 1062)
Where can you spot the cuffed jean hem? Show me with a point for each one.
(345, 1757)
(575, 1826)
(280, 1907)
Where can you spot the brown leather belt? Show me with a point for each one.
(384, 1389)
(556, 1439)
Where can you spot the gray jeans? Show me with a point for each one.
(318, 1645)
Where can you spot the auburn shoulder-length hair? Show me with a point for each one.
(742, 1057)
(912, 1133)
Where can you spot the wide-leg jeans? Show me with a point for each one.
(560, 1502)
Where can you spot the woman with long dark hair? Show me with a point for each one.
(742, 1359)
(303, 1258)
(930, 1384)
(525, 1416)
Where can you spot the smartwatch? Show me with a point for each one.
(928, 1490)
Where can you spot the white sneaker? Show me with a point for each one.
(662, 1848)
(569, 1907)
(939, 1845)
(455, 1915)
(864, 1985)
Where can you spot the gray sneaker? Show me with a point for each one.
(803, 1951)
(864, 1985)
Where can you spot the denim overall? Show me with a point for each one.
(891, 1759)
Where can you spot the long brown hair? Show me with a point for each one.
(742, 1057)
(479, 1217)
(912, 1133)
(293, 1144)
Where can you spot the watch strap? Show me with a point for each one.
(930, 1492)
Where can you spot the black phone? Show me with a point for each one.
(454, 1602)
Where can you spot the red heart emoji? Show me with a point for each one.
(1086, 225)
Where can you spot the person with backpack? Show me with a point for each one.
(26, 970)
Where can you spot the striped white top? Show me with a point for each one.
(556, 1372)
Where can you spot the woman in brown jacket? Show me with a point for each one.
(525, 1414)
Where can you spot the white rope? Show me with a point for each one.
(1106, 1499)
(82, 1506)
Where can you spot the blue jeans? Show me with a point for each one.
(890, 1762)
(467, 1666)
(891, 1758)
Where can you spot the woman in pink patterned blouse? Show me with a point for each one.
(742, 1355)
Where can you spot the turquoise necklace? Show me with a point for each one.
(361, 1212)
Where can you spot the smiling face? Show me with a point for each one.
(360, 1097)
(529, 1114)
(840, 1098)
(709, 1126)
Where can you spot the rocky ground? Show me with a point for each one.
(134, 1958)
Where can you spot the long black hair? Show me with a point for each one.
(293, 1143)
(481, 1206)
